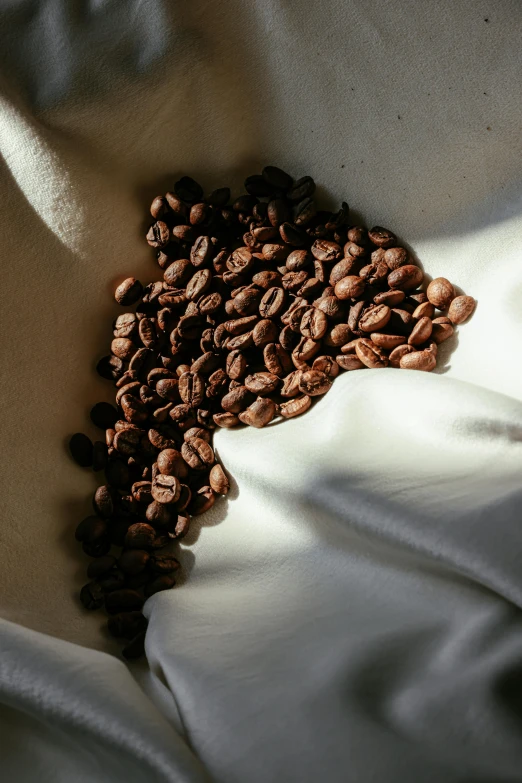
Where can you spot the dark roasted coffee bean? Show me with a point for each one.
(292, 235)
(219, 197)
(288, 338)
(332, 307)
(163, 564)
(97, 548)
(104, 415)
(123, 601)
(110, 367)
(128, 292)
(198, 454)
(267, 279)
(91, 529)
(277, 178)
(178, 273)
(237, 400)
(133, 409)
(264, 332)
(236, 365)
(206, 363)
(140, 536)
(277, 360)
(170, 463)
(126, 625)
(192, 388)
(302, 188)
(382, 237)
(103, 502)
(123, 348)
(129, 388)
(81, 449)
(184, 416)
(165, 488)
(272, 303)
(91, 596)
(198, 284)
(305, 349)
(188, 190)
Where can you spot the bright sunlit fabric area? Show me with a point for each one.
(352, 611)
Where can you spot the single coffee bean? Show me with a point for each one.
(170, 463)
(326, 365)
(91, 596)
(349, 347)
(110, 367)
(306, 349)
(192, 388)
(338, 335)
(298, 260)
(395, 257)
(389, 298)
(236, 365)
(247, 302)
(370, 354)
(314, 324)
(358, 234)
(97, 548)
(382, 237)
(278, 212)
(350, 287)
(272, 302)
(424, 310)
(440, 293)
(343, 268)
(424, 361)
(227, 420)
(125, 325)
(103, 502)
(292, 235)
(277, 178)
(421, 331)
(158, 514)
(259, 414)
(197, 432)
(198, 454)
(165, 488)
(140, 535)
(129, 388)
(349, 362)
(202, 501)
(441, 331)
(460, 309)
(127, 442)
(262, 383)
(302, 188)
(91, 529)
(133, 409)
(81, 449)
(326, 251)
(163, 564)
(295, 407)
(314, 382)
(128, 292)
(290, 386)
(387, 341)
(123, 348)
(397, 354)
(355, 251)
(104, 415)
(277, 360)
(219, 480)
(158, 236)
(264, 332)
(405, 277)
(401, 322)
(375, 318)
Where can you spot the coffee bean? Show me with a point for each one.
(140, 536)
(259, 414)
(440, 293)
(165, 488)
(91, 596)
(397, 354)
(424, 361)
(374, 318)
(441, 331)
(314, 382)
(126, 625)
(370, 354)
(460, 309)
(426, 309)
(349, 362)
(104, 415)
(389, 298)
(81, 449)
(133, 409)
(110, 367)
(350, 287)
(302, 188)
(91, 529)
(395, 257)
(405, 277)
(326, 251)
(123, 601)
(198, 454)
(387, 341)
(264, 332)
(314, 323)
(158, 514)
(128, 292)
(326, 365)
(382, 237)
(421, 331)
(295, 407)
(170, 463)
(262, 383)
(103, 502)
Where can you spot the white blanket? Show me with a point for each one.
(352, 610)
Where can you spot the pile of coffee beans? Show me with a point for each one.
(263, 301)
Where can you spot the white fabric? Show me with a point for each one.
(360, 588)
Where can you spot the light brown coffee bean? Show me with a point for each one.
(326, 364)
(395, 257)
(421, 331)
(314, 323)
(227, 420)
(406, 277)
(165, 488)
(338, 335)
(219, 480)
(426, 309)
(460, 309)
(237, 400)
(198, 454)
(441, 331)
(295, 407)
(264, 332)
(349, 362)
(390, 298)
(440, 293)
(382, 237)
(326, 251)
(262, 383)
(387, 341)
(350, 287)
(170, 463)
(259, 414)
(374, 318)
(424, 361)
(290, 386)
(397, 354)
(370, 354)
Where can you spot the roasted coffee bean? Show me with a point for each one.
(192, 388)
(165, 488)
(110, 367)
(170, 463)
(295, 407)
(405, 277)
(441, 330)
(314, 382)
(125, 325)
(100, 567)
(370, 354)
(91, 596)
(277, 360)
(129, 388)
(460, 309)
(387, 341)
(338, 335)
(424, 361)
(127, 442)
(326, 251)
(426, 309)
(140, 536)
(350, 287)
(421, 331)
(236, 365)
(375, 274)
(327, 365)
(382, 237)
(262, 383)
(343, 268)
(198, 454)
(219, 480)
(158, 236)
(298, 260)
(259, 414)
(103, 502)
(272, 303)
(104, 415)
(306, 349)
(292, 235)
(128, 292)
(133, 409)
(159, 583)
(227, 420)
(197, 432)
(123, 601)
(188, 190)
(349, 362)
(302, 188)
(314, 323)
(389, 298)
(264, 332)
(332, 307)
(158, 514)
(440, 293)
(374, 318)
(395, 257)
(81, 449)
(91, 529)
